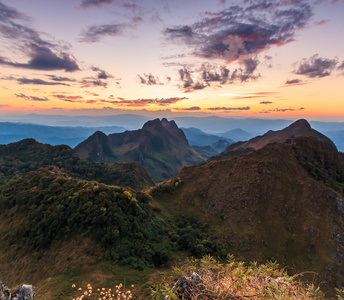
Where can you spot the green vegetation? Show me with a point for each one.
(52, 205)
(19, 158)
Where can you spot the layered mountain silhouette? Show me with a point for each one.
(283, 201)
(298, 128)
(160, 146)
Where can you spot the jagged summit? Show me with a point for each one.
(297, 129)
(160, 146)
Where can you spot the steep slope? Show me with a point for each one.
(298, 128)
(160, 146)
(278, 202)
(17, 159)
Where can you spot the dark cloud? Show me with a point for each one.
(97, 3)
(149, 79)
(43, 58)
(229, 108)
(209, 75)
(240, 31)
(294, 82)
(43, 55)
(316, 67)
(101, 73)
(39, 82)
(265, 102)
(95, 33)
(33, 98)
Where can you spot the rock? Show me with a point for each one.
(25, 292)
(183, 288)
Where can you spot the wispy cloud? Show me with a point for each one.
(265, 102)
(38, 81)
(96, 32)
(145, 102)
(95, 3)
(229, 108)
(33, 98)
(281, 110)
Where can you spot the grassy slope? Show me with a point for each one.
(264, 205)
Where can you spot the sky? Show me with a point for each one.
(248, 58)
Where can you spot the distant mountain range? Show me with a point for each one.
(53, 135)
(160, 146)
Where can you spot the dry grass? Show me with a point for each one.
(235, 280)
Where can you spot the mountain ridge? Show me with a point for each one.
(160, 146)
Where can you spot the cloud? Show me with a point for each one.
(294, 82)
(229, 108)
(38, 82)
(341, 66)
(145, 102)
(69, 98)
(239, 31)
(93, 82)
(96, 3)
(265, 102)
(33, 98)
(149, 79)
(96, 32)
(316, 67)
(281, 110)
(42, 54)
(101, 73)
(60, 78)
(42, 58)
(193, 108)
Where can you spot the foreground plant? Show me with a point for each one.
(118, 293)
(235, 280)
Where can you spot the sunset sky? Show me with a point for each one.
(249, 58)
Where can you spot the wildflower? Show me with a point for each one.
(73, 286)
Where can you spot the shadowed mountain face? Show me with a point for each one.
(284, 202)
(160, 146)
(298, 128)
(19, 158)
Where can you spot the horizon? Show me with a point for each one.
(162, 58)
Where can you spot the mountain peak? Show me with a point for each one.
(300, 124)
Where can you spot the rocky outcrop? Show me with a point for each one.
(24, 292)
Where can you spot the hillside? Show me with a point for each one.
(160, 146)
(17, 159)
(298, 128)
(282, 202)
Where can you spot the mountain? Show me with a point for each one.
(237, 135)
(160, 146)
(17, 159)
(281, 202)
(197, 137)
(298, 128)
(54, 135)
